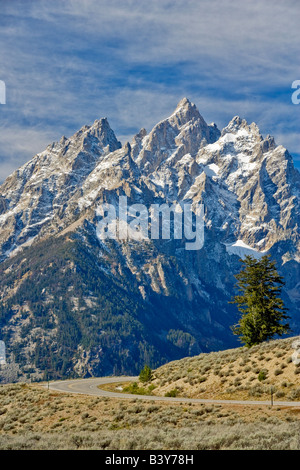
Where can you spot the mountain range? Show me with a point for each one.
(73, 303)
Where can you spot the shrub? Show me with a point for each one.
(262, 375)
(295, 394)
(145, 374)
(202, 379)
(256, 391)
(172, 393)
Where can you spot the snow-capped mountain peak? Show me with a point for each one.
(246, 183)
(243, 167)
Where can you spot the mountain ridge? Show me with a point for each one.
(248, 187)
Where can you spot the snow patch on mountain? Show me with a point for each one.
(241, 249)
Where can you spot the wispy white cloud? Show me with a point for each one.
(67, 63)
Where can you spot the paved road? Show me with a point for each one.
(91, 387)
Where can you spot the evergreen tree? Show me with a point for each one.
(259, 302)
(145, 374)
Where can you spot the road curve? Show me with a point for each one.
(91, 387)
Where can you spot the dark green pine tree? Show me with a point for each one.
(259, 302)
(145, 374)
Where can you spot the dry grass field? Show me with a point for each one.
(33, 417)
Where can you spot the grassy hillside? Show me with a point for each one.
(241, 373)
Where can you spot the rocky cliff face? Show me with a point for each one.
(177, 299)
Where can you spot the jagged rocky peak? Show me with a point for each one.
(194, 131)
(99, 136)
(99, 133)
(249, 134)
(237, 125)
(185, 112)
(240, 143)
(141, 134)
(185, 115)
(102, 130)
(239, 132)
(183, 132)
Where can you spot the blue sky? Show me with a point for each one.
(67, 63)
